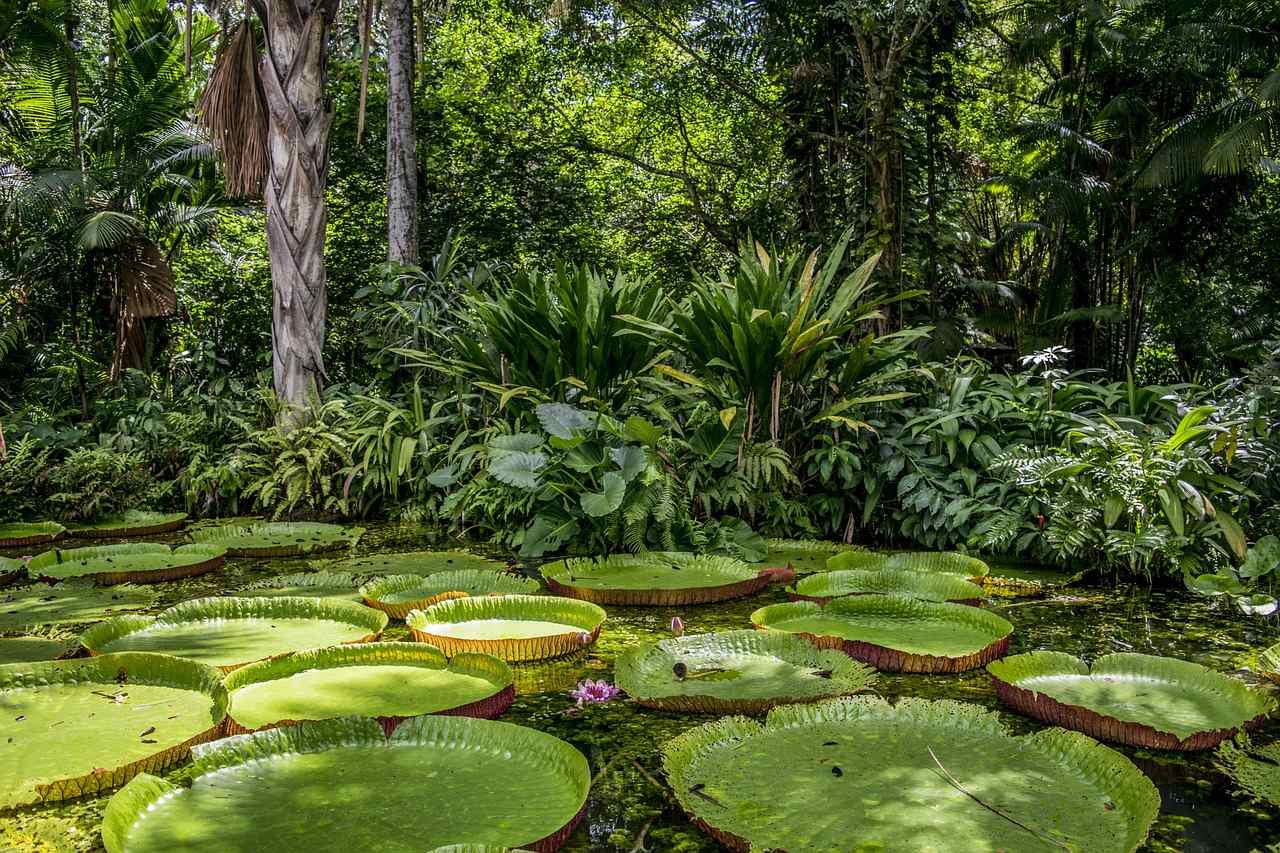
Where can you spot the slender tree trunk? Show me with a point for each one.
(293, 77)
(402, 163)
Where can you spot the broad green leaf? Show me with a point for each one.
(518, 469)
(563, 420)
(606, 501)
(1232, 532)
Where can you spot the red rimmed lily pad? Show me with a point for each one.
(511, 627)
(107, 565)
(22, 533)
(658, 578)
(1135, 699)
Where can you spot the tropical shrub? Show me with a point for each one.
(92, 482)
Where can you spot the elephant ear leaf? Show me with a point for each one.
(1263, 558)
(548, 533)
(631, 459)
(606, 501)
(562, 420)
(519, 469)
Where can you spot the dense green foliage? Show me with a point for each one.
(944, 275)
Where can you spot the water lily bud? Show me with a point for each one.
(677, 626)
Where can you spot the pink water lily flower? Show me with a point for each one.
(677, 626)
(594, 692)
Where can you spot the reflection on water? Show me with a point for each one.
(630, 809)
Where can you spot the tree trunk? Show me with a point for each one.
(402, 164)
(293, 77)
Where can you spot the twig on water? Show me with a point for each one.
(644, 831)
(956, 784)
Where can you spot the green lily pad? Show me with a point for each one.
(860, 774)
(412, 563)
(131, 523)
(21, 534)
(803, 555)
(1142, 700)
(138, 563)
(1269, 663)
(824, 586)
(230, 632)
(894, 633)
(388, 681)
(736, 672)
(946, 562)
(26, 649)
(70, 602)
(511, 627)
(342, 586)
(1254, 769)
(1010, 580)
(337, 786)
(279, 538)
(655, 578)
(396, 595)
(78, 727)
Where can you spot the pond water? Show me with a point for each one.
(630, 809)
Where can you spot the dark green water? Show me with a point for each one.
(630, 810)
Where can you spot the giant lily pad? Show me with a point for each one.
(511, 627)
(22, 534)
(946, 562)
(657, 578)
(114, 564)
(132, 523)
(70, 602)
(736, 672)
(396, 595)
(802, 555)
(279, 538)
(24, 649)
(78, 727)
(342, 785)
(1269, 663)
(230, 632)
(860, 774)
(388, 681)
(412, 563)
(343, 586)
(1254, 768)
(1142, 700)
(1018, 581)
(824, 586)
(894, 633)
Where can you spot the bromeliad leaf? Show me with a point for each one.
(606, 501)
(519, 469)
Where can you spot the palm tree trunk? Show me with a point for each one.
(402, 167)
(293, 77)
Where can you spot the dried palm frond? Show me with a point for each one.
(234, 110)
(144, 288)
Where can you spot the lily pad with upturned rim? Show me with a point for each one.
(230, 632)
(144, 562)
(411, 563)
(134, 522)
(511, 627)
(396, 595)
(28, 649)
(860, 774)
(342, 586)
(342, 785)
(824, 586)
(894, 633)
(656, 578)
(390, 682)
(736, 672)
(78, 727)
(1134, 699)
(803, 555)
(20, 534)
(279, 538)
(945, 562)
(70, 602)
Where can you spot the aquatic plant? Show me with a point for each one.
(591, 692)
(656, 578)
(128, 563)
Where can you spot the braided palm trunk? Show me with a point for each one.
(293, 79)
